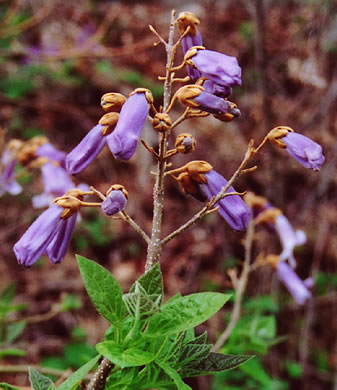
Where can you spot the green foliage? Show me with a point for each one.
(6, 386)
(39, 381)
(255, 332)
(78, 375)
(325, 282)
(151, 344)
(9, 332)
(294, 369)
(97, 235)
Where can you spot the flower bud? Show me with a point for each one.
(185, 143)
(302, 149)
(115, 201)
(161, 122)
(112, 102)
(188, 19)
(109, 121)
(220, 68)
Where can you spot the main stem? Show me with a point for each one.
(154, 247)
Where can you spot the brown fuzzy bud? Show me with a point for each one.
(185, 143)
(112, 102)
(161, 122)
(187, 19)
(191, 53)
(118, 187)
(196, 169)
(148, 94)
(189, 186)
(109, 121)
(277, 133)
(268, 215)
(26, 153)
(71, 202)
(231, 114)
(187, 93)
(253, 200)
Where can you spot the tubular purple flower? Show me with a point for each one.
(304, 150)
(7, 178)
(192, 38)
(123, 140)
(292, 282)
(86, 151)
(289, 239)
(212, 104)
(220, 68)
(232, 208)
(53, 154)
(114, 202)
(38, 236)
(57, 248)
(222, 91)
(56, 180)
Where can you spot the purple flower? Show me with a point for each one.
(289, 238)
(304, 150)
(7, 179)
(86, 151)
(192, 38)
(222, 91)
(57, 248)
(212, 104)
(53, 154)
(114, 202)
(56, 182)
(194, 96)
(292, 282)
(123, 140)
(232, 208)
(38, 236)
(220, 68)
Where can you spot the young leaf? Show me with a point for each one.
(78, 375)
(103, 290)
(129, 357)
(14, 330)
(39, 381)
(151, 281)
(6, 386)
(174, 375)
(12, 352)
(191, 354)
(184, 313)
(215, 362)
(142, 302)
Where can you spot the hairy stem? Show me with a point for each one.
(99, 379)
(154, 247)
(239, 289)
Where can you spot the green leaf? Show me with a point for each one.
(139, 302)
(7, 295)
(124, 357)
(103, 290)
(14, 330)
(6, 386)
(39, 381)
(215, 362)
(174, 375)
(151, 281)
(193, 353)
(184, 313)
(12, 352)
(78, 375)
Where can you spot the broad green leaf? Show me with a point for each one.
(174, 375)
(14, 330)
(140, 302)
(184, 313)
(199, 340)
(6, 386)
(215, 362)
(193, 353)
(39, 381)
(12, 352)
(124, 357)
(78, 375)
(103, 290)
(121, 377)
(151, 281)
(174, 352)
(7, 295)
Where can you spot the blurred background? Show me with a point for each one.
(57, 58)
